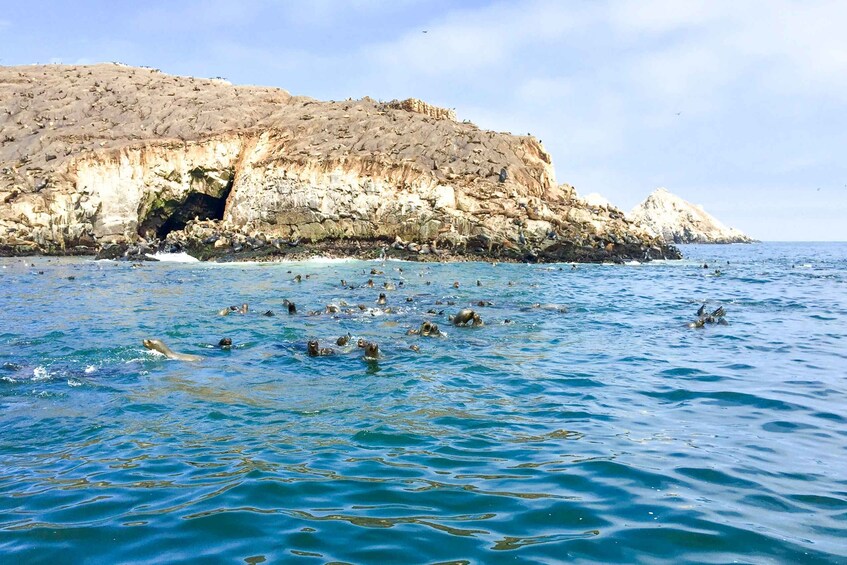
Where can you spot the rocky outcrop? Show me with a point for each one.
(108, 156)
(677, 221)
(421, 107)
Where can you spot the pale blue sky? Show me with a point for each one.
(738, 106)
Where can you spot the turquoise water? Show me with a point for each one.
(607, 433)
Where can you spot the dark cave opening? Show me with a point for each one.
(172, 215)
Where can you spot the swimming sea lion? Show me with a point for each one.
(158, 345)
(298, 278)
(429, 329)
(292, 309)
(332, 309)
(465, 316)
(371, 351)
(370, 283)
(315, 351)
(343, 340)
(225, 343)
(269, 313)
(381, 299)
(361, 342)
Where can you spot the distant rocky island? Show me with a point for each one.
(677, 221)
(123, 161)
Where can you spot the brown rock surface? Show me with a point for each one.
(110, 154)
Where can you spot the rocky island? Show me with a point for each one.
(678, 221)
(123, 161)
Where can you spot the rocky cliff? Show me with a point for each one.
(677, 221)
(110, 155)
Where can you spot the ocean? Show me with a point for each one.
(583, 422)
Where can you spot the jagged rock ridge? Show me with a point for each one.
(678, 221)
(110, 154)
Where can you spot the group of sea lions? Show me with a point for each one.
(466, 317)
(703, 317)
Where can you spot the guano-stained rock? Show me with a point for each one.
(678, 221)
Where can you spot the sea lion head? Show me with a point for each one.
(156, 345)
(371, 350)
(312, 348)
(244, 308)
(225, 343)
(381, 299)
(361, 342)
(292, 309)
(343, 340)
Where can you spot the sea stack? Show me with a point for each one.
(121, 160)
(677, 221)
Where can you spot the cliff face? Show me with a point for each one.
(108, 154)
(677, 221)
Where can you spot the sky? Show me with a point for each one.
(735, 105)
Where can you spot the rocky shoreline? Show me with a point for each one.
(212, 241)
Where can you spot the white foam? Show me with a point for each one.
(40, 374)
(174, 257)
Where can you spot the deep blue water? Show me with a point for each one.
(608, 433)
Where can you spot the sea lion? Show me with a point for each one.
(455, 284)
(415, 348)
(381, 299)
(429, 329)
(292, 308)
(298, 278)
(466, 316)
(315, 351)
(361, 342)
(388, 286)
(343, 340)
(370, 283)
(158, 345)
(269, 313)
(371, 351)
(225, 343)
(332, 309)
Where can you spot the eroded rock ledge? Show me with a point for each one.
(115, 158)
